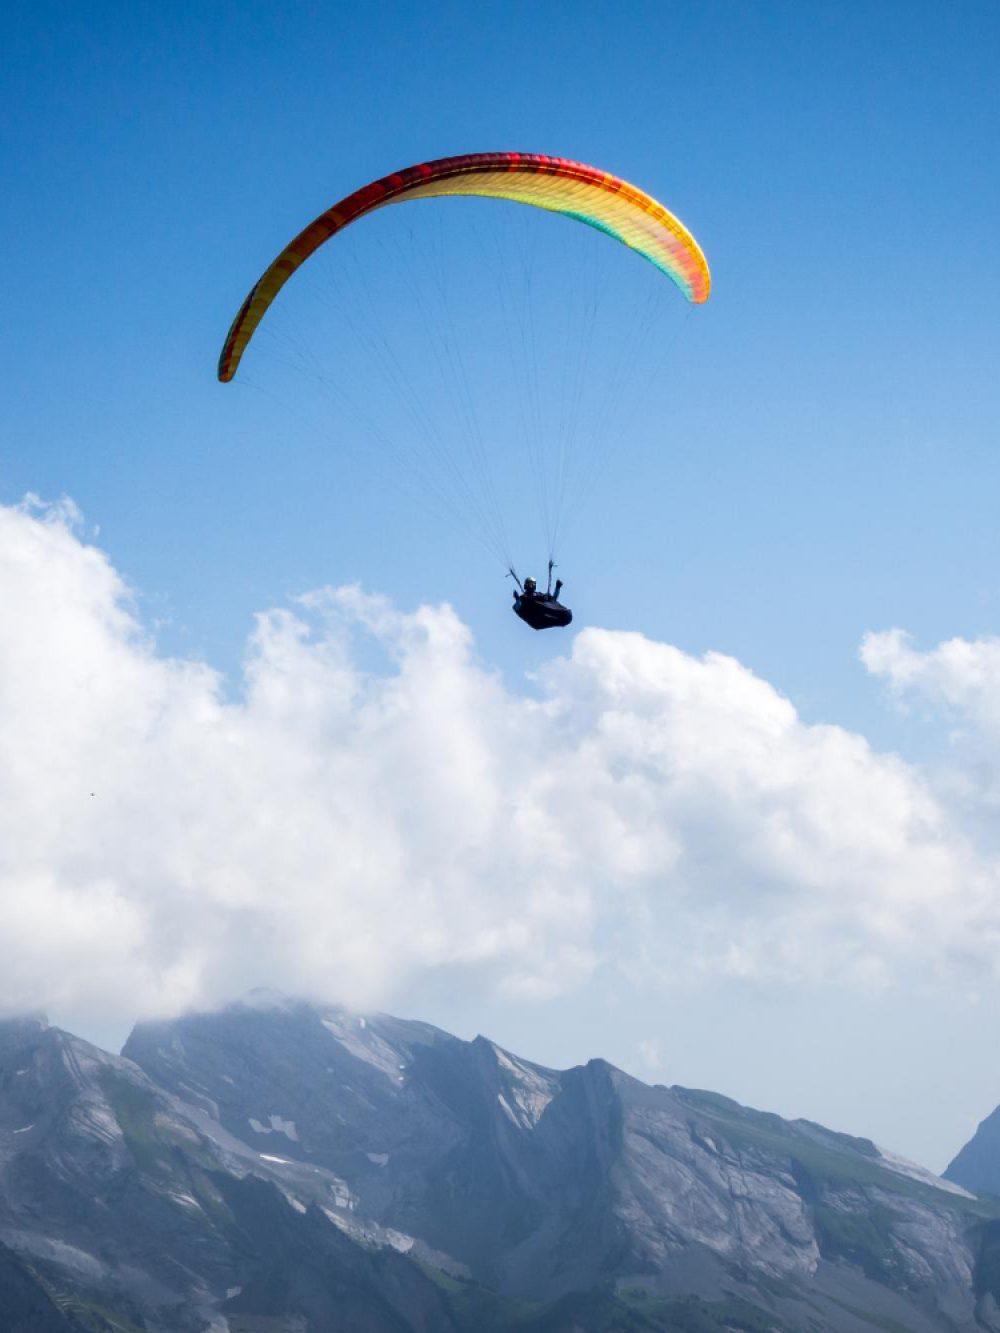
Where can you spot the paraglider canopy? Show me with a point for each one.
(557, 184)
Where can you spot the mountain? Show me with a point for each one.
(128, 1215)
(25, 1304)
(977, 1166)
(278, 1167)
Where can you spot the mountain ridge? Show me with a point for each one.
(282, 1161)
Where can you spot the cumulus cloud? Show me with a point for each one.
(340, 828)
(960, 676)
(958, 680)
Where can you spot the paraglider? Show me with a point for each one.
(540, 610)
(557, 185)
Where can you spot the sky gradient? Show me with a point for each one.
(817, 464)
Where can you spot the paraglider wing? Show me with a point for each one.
(554, 183)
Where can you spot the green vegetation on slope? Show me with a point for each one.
(743, 1127)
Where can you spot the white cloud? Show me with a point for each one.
(960, 676)
(958, 680)
(339, 830)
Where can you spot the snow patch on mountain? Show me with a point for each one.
(276, 1125)
(187, 1200)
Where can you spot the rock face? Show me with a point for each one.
(281, 1168)
(25, 1304)
(977, 1166)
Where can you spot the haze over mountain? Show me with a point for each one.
(281, 1166)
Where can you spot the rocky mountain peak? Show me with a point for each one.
(977, 1166)
(283, 1161)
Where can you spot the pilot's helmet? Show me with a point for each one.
(530, 585)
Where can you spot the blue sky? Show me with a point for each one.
(828, 467)
(818, 461)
